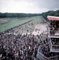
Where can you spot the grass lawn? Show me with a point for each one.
(12, 22)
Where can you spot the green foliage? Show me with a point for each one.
(50, 13)
(13, 15)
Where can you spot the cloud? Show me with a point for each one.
(28, 6)
(49, 4)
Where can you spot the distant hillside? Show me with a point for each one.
(51, 13)
(17, 15)
(20, 15)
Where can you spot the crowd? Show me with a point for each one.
(22, 47)
(54, 27)
(18, 47)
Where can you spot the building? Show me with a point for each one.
(54, 33)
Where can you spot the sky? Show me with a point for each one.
(28, 6)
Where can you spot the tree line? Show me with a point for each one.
(13, 15)
(20, 15)
(50, 13)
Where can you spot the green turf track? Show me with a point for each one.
(16, 22)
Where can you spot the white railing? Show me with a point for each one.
(41, 56)
(53, 58)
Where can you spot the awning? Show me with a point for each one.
(53, 18)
